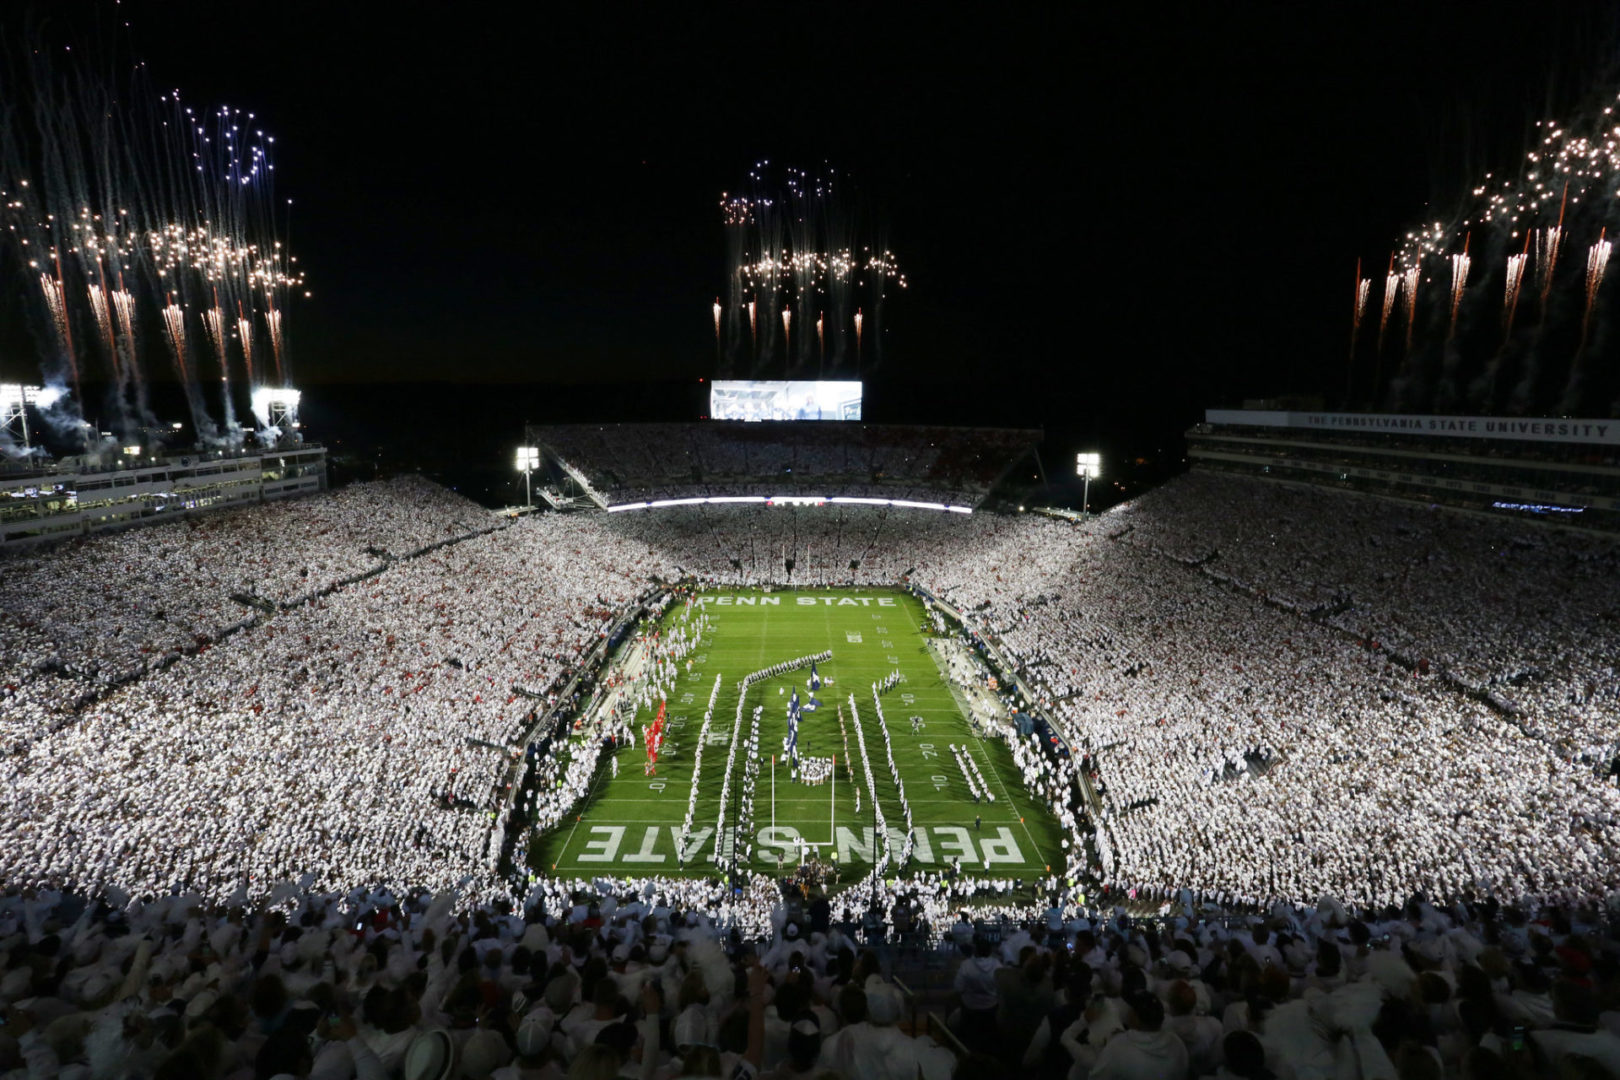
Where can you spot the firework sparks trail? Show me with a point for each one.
(1597, 260)
(124, 306)
(56, 304)
(1459, 282)
(244, 333)
(793, 245)
(1357, 312)
(1510, 299)
(124, 196)
(1565, 190)
(272, 321)
(216, 326)
(1548, 242)
(857, 336)
(1409, 287)
(787, 326)
(174, 326)
(123, 303)
(104, 323)
(1392, 287)
(214, 323)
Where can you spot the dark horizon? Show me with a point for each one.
(1142, 212)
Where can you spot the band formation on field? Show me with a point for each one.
(751, 730)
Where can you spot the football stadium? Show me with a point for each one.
(871, 640)
(791, 726)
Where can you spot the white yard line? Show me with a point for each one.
(988, 760)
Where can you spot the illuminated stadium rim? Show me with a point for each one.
(789, 500)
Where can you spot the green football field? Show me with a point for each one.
(630, 824)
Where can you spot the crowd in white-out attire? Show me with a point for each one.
(1281, 693)
(365, 736)
(636, 979)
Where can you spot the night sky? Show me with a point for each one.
(1139, 207)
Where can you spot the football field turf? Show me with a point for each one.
(630, 824)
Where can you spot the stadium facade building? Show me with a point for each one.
(1560, 470)
(42, 502)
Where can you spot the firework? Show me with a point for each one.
(216, 326)
(1409, 286)
(1597, 260)
(214, 323)
(1358, 311)
(56, 303)
(124, 197)
(124, 306)
(174, 327)
(1459, 281)
(244, 334)
(123, 303)
(1547, 244)
(1392, 286)
(101, 309)
(787, 324)
(792, 245)
(272, 322)
(1565, 190)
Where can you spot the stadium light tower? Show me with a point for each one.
(14, 400)
(277, 409)
(1086, 466)
(528, 459)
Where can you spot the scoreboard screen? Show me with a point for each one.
(784, 400)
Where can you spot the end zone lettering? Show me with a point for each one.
(802, 601)
(846, 601)
(935, 845)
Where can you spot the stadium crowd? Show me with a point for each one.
(364, 736)
(634, 462)
(1276, 694)
(79, 616)
(1263, 751)
(630, 979)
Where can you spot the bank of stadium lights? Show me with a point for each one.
(528, 460)
(790, 500)
(277, 407)
(14, 400)
(1087, 464)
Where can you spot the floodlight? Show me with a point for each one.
(276, 407)
(528, 459)
(14, 394)
(1087, 465)
(14, 397)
